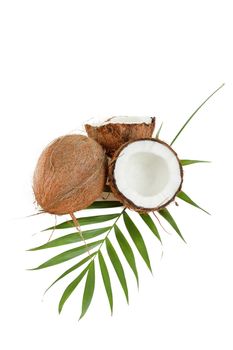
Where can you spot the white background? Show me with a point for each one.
(63, 62)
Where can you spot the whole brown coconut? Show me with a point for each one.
(116, 131)
(70, 174)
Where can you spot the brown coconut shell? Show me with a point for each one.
(113, 135)
(120, 196)
(70, 174)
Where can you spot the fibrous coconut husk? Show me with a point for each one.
(70, 174)
(113, 135)
(120, 196)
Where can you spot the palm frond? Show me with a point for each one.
(106, 279)
(89, 288)
(193, 114)
(117, 267)
(127, 251)
(159, 131)
(105, 204)
(137, 239)
(167, 216)
(88, 220)
(150, 223)
(71, 287)
(72, 238)
(188, 200)
(185, 162)
(67, 255)
(71, 269)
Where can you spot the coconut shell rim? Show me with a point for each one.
(120, 195)
(153, 119)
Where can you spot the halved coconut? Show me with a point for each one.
(145, 175)
(116, 131)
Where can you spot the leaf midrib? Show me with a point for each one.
(109, 231)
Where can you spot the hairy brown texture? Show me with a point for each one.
(113, 135)
(70, 174)
(120, 196)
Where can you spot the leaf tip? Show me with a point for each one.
(150, 268)
(31, 249)
(60, 306)
(81, 316)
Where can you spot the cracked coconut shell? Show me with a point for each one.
(113, 134)
(70, 174)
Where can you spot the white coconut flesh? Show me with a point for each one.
(124, 120)
(147, 173)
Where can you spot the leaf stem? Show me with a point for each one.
(121, 213)
(77, 226)
(159, 130)
(179, 132)
(55, 224)
(160, 222)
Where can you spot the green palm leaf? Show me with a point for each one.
(67, 255)
(71, 287)
(159, 130)
(167, 216)
(105, 204)
(89, 220)
(126, 250)
(117, 267)
(185, 162)
(76, 266)
(72, 238)
(106, 279)
(192, 115)
(137, 239)
(150, 223)
(188, 200)
(89, 289)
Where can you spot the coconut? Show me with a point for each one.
(116, 131)
(70, 174)
(145, 175)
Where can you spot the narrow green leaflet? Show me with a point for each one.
(127, 251)
(71, 287)
(118, 267)
(185, 162)
(150, 223)
(188, 200)
(167, 216)
(137, 239)
(105, 204)
(106, 279)
(76, 266)
(89, 289)
(67, 255)
(158, 132)
(88, 220)
(192, 115)
(72, 238)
